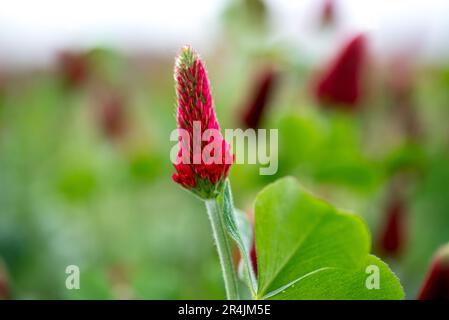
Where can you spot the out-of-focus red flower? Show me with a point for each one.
(340, 84)
(112, 115)
(195, 107)
(4, 283)
(253, 255)
(400, 79)
(259, 98)
(328, 13)
(73, 67)
(2, 82)
(436, 284)
(118, 275)
(401, 83)
(392, 236)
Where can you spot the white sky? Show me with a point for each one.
(30, 31)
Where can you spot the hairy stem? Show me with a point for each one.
(223, 242)
(236, 234)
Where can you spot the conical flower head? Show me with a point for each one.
(339, 86)
(436, 284)
(204, 156)
(328, 13)
(4, 283)
(74, 67)
(393, 236)
(112, 117)
(259, 100)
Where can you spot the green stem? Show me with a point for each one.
(224, 248)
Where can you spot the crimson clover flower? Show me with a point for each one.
(74, 67)
(112, 115)
(4, 286)
(260, 98)
(204, 157)
(253, 252)
(339, 86)
(436, 284)
(328, 13)
(392, 236)
(401, 84)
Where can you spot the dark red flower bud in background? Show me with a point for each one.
(73, 67)
(340, 84)
(253, 255)
(401, 84)
(2, 82)
(436, 284)
(4, 283)
(112, 115)
(2, 89)
(118, 275)
(328, 13)
(259, 99)
(392, 237)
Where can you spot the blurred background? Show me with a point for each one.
(359, 91)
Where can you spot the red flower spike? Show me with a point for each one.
(195, 113)
(260, 98)
(4, 285)
(392, 236)
(253, 255)
(73, 67)
(436, 284)
(340, 85)
(112, 116)
(401, 83)
(328, 13)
